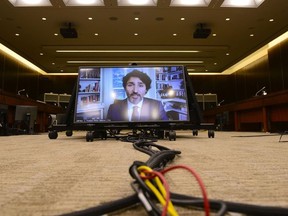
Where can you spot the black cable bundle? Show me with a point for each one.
(159, 157)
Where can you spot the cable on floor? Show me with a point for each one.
(152, 190)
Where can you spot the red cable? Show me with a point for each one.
(200, 182)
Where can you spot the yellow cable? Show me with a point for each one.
(160, 197)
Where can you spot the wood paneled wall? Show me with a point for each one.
(14, 77)
(270, 71)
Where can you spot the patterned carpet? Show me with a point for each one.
(40, 176)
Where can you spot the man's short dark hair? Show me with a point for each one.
(142, 76)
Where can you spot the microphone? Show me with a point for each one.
(22, 90)
(261, 90)
(219, 104)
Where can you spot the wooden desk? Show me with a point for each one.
(43, 109)
(264, 110)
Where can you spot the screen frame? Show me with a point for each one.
(129, 124)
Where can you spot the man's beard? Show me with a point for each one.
(135, 100)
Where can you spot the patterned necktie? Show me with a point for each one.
(135, 114)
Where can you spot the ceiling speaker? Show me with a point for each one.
(68, 32)
(201, 32)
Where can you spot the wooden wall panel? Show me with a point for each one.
(14, 77)
(56, 84)
(257, 76)
(285, 64)
(238, 86)
(10, 76)
(28, 80)
(223, 86)
(1, 70)
(270, 71)
(276, 73)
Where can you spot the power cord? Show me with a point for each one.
(152, 189)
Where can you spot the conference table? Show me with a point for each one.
(266, 113)
(44, 110)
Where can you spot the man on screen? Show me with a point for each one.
(136, 107)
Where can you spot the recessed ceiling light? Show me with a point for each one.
(136, 18)
(140, 61)
(127, 51)
(56, 34)
(96, 34)
(227, 54)
(214, 34)
(242, 3)
(174, 34)
(182, 18)
(17, 34)
(84, 2)
(30, 3)
(41, 54)
(251, 35)
(44, 18)
(227, 19)
(271, 20)
(90, 18)
(136, 34)
(189, 3)
(137, 2)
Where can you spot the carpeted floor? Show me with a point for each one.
(39, 176)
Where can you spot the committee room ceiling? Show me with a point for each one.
(106, 35)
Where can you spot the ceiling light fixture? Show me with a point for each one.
(84, 2)
(127, 51)
(30, 3)
(242, 3)
(190, 3)
(127, 62)
(191, 73)
(137, 2)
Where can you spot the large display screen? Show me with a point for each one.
(140, 94)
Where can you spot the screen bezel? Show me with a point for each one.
(139, 123)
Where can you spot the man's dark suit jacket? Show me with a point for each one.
(152, 110)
